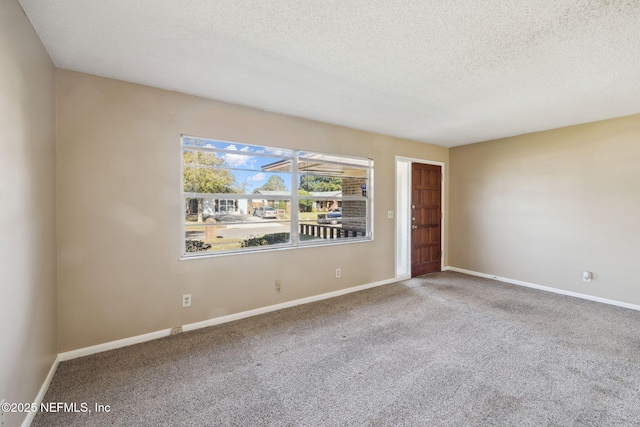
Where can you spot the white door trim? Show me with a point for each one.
(403, 208)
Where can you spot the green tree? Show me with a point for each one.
(207, 179)
(320, 183)
(274, 183)
(306, 205)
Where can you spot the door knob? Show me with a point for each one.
(414, 227)
(413, 206)
(413, 218)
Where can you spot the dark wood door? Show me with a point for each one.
(426, 218)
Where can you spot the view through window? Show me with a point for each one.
(240, 197)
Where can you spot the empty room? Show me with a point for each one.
(319, 213)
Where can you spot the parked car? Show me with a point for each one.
(331, 217)
(266, 212)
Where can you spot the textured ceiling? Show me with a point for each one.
(445, 72)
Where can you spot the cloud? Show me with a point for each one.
(235, 160)
(257, 177)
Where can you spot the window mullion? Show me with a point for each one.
(295, 207)
(369, 201)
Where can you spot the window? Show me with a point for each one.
(240, 198)
(226, 205)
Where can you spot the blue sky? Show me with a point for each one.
(248, 159)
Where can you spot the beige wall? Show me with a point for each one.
(543, 207)
(119, 211)
(27, 210)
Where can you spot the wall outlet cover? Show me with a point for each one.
(186, 300)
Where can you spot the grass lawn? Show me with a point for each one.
(305, 216)
(223, 244)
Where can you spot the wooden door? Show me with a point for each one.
(426, 219)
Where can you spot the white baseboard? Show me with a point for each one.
(545, 288)
(86, 351)
(43, 390)
(262, 310)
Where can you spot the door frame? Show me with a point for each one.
(403, 209)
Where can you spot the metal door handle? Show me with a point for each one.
(413, 218)
(414, 227)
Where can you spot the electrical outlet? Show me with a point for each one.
(338, 273)
(390, 214)
(186, 300)
(278, 285)
(587, 276)
(176, 330)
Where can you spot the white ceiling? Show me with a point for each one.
(448, 72)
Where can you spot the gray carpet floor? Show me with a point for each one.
(440, 350)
